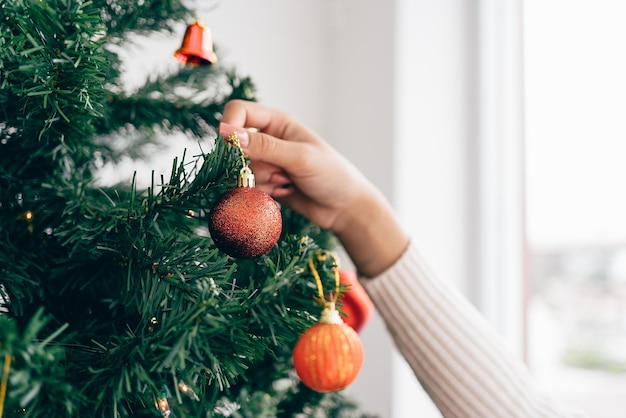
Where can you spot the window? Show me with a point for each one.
(575, 92)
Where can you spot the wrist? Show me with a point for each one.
(371, 234)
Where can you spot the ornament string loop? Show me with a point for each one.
(234, 139)
(321, 299)
(246, 177)
(5, 380)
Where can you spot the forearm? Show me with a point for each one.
(371, 234)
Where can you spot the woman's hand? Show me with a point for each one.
(302, 171)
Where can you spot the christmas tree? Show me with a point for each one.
(115, 301)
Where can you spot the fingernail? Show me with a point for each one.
(228, 131)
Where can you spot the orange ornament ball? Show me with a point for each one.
(328, 356)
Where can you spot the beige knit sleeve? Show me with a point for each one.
(456, 355)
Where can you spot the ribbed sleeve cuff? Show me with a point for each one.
(456, 355)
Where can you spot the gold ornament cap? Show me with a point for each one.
(246, 178)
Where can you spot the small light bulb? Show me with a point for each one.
(188, 391)
(163, 405)
(153, 323)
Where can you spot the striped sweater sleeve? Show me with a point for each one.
(459, 359)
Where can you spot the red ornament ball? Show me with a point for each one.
(356, 304)
(329, 355)
(245, 222)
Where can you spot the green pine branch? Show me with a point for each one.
(114, 299)
(146, 16)
(50, 73)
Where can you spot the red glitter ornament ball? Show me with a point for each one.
(245, 222)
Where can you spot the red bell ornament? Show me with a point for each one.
(356, 304)
(197, 46)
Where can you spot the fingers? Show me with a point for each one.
(272, 180)
(269, 174)
(247, 114)
(282, 191)
(261, 147)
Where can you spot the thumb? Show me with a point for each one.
(263, 147)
